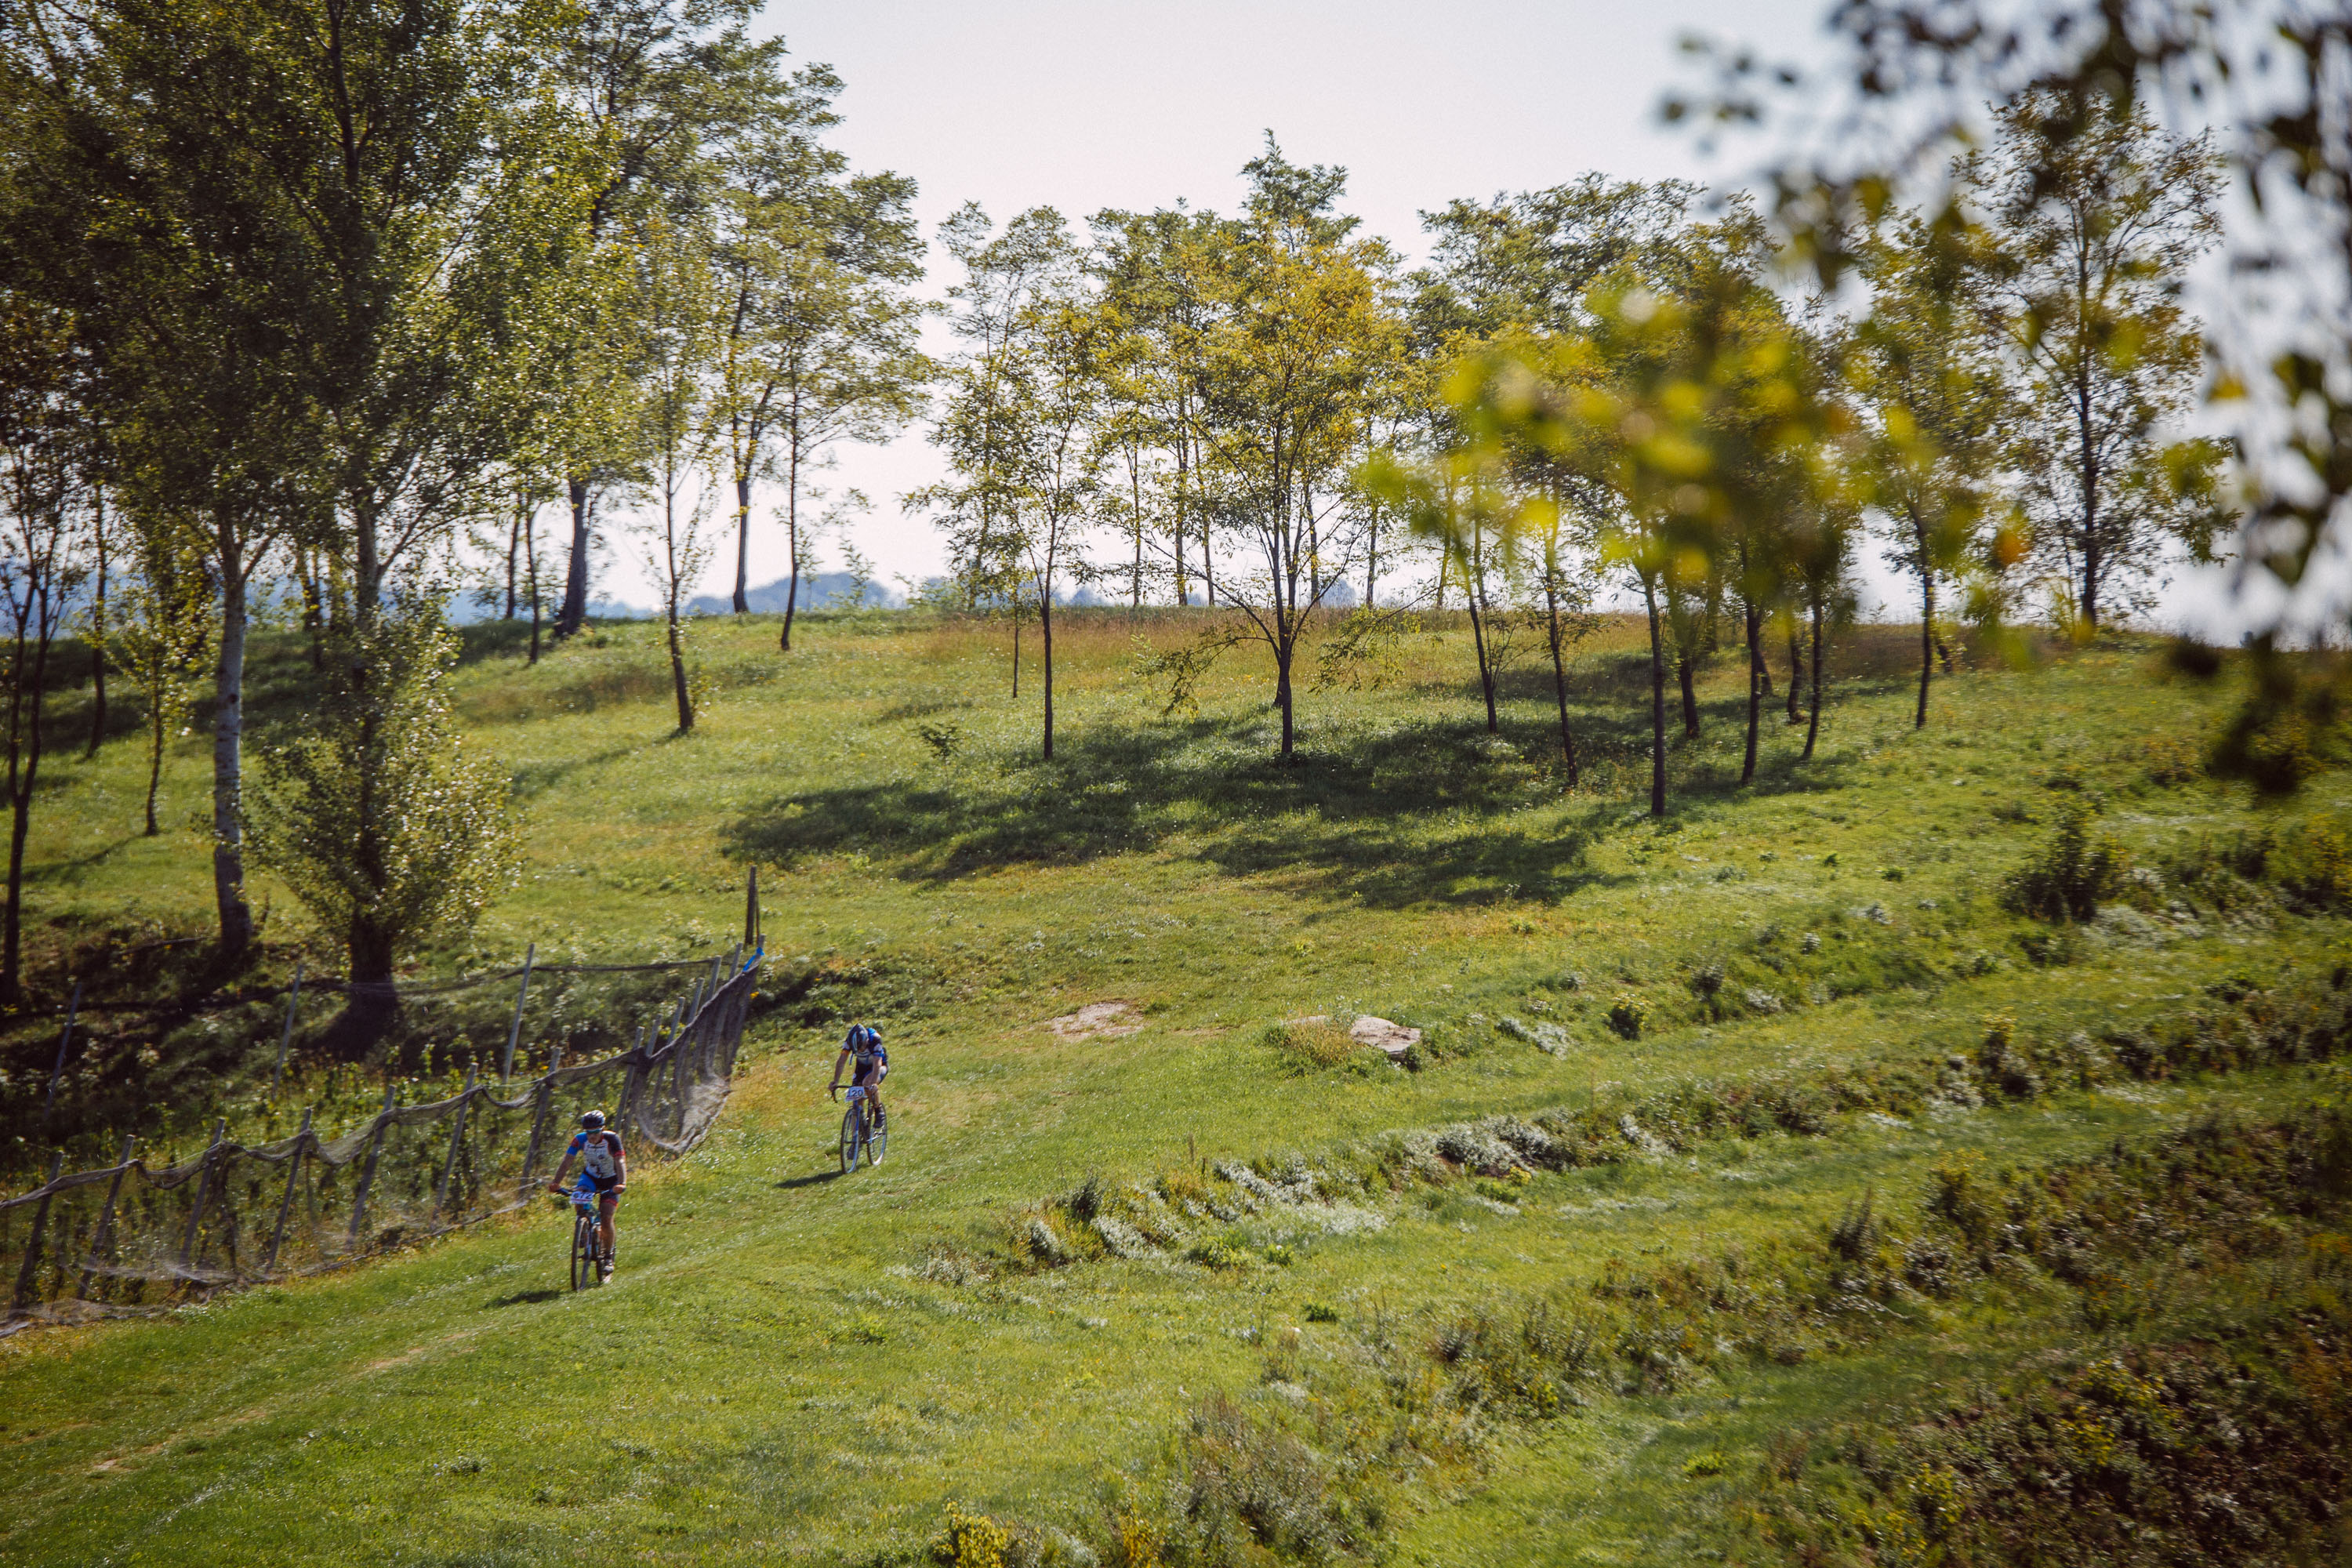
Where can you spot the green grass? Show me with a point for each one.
(773, 1378)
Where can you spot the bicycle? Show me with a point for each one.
(859, 1135)
(584, 1228)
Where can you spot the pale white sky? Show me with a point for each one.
(1021, 103)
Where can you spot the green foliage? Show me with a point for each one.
(376, 812)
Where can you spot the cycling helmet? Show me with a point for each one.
(591, 1122)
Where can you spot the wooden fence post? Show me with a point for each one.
(457, 1142)
(104, 1235)
(367, 1171)
(203, 1187)
(751, 908)
(514, 1031)
(65, 1039)
(546, 1097)
(27, 1276)
(286, 1205)
(286, 1036)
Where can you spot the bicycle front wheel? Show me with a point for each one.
(583, 1251)
(852, 1134)
(877, 1139)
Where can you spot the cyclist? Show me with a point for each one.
(604, 1171)
(864, 1047)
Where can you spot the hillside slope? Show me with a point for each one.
(1761, 1045)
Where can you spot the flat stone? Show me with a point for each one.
(1378, 1033)
(1103, 1019)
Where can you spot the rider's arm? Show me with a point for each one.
(561, 1170)
(620, 1166)
(837, 1062)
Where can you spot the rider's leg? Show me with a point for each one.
(604, 1218)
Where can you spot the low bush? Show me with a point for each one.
(2075, 871)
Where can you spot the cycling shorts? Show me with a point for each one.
(867, 1077)
(601, 1185)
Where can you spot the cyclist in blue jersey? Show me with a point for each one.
(604, 1171)
(864, 1047)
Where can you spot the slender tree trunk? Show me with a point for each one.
(1689, 690)
(1016, 649)
(1927, 608)
(677, 670)
(1756, 678)
(1813, 717)
(1796, 670)
(1372, 561)
(1926, 643)
(98, 629)
(531, 565)
(1560, 680)
(1183, 474)
(514, 543)
(2091, 563)
(573, 615)
(1284, 648)
(314, 607)
(23, 772)
(792, 538)
(1208, 565)
(743, 542)
(1657, 703)
(228, 757)
(1485, 672)
(155, 751)
(1045, 634)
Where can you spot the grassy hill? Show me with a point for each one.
(1765, 1187)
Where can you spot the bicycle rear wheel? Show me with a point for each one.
(878, 1140)
(583, 1251)
(853, 1136)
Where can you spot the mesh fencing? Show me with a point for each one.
(127, 1237)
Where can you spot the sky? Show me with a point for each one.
(1016, 104)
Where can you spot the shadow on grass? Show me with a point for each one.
(1399, 815)
(793, 1184)
(523, 1299)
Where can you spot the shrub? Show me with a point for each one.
(2315, 865)
(1309, 1045)
(1319, 1312)
(1627, 1013)
(972, 1540)
(2074, 871)
(1250, 1489)
(2172, 760)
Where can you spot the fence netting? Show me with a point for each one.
(128, 1236)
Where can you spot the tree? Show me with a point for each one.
(680, 311)
(1153, 268)
(374, 810)
(2096, 219)
(832, 354)
(982, 429)
(44, 499)
(1924, 362)
(660, 85)
(162, 629)
(1061, 444)
(820, 344)
(1302, 324)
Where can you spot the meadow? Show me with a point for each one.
(1738, 1144)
